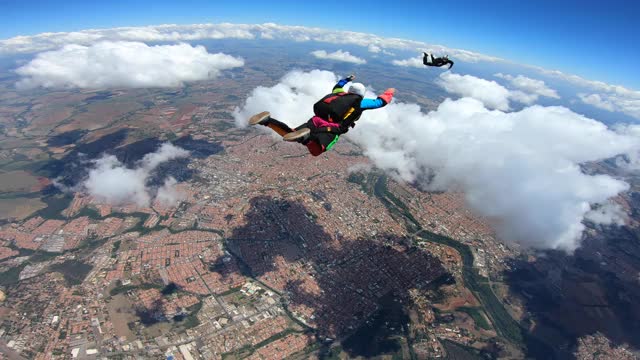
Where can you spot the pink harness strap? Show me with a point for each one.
(320, 122)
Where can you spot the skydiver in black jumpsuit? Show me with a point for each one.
(429, 60)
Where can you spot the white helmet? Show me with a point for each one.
(357, 88)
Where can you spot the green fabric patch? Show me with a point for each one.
(333, 143)
(338, 91)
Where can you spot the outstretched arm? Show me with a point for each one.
(382, 100)
(339, 87)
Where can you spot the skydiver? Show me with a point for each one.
(335, 113)
(429, 60)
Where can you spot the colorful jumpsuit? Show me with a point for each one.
(325, 133)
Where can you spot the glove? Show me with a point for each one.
(387, 95)
(351, 77)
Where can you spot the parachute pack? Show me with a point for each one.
(338, 107)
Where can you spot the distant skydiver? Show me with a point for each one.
(335, 113)
(429, 60)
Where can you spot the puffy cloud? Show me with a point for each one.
(529, 85)
(111, 181)
(338, 55)
(290, 101)
(123, 64)
(167, 193)
(490, 93)
(519, 169)
(607, 214)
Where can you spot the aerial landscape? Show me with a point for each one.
(488, 211)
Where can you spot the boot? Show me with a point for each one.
(298, 135)
(260, 118)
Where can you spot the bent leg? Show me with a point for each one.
(278, 126)
(309, 124)
(428, 59)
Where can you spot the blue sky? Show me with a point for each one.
(594, 39)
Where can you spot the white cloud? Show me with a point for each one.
(290, 101)
(49, 41)
(411, 62)
(338, 55)
(492, 94)
(168, 194)
(530, 86)
(519, 169)
(613, 98)
(597, 101)
(111, 181)
(628, 104)
(488, 92)
(607, 214)
(625, 100)
(123, 64)
(523, 97)
(374, 48)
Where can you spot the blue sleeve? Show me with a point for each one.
(339, 86)
(367, 104)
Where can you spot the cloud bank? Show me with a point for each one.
(627, 103)
(112, 182)
(614, 98)
(519, 169)
(617, 98)
(123, 64)
(621, 99)
(338, 55)
(268, 31)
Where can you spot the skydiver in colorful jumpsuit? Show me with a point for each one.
(335, 113)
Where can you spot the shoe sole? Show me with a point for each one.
(296, 135)
(258, 118)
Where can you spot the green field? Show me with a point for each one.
(17, 181)
(20, 207)
(477, 315)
